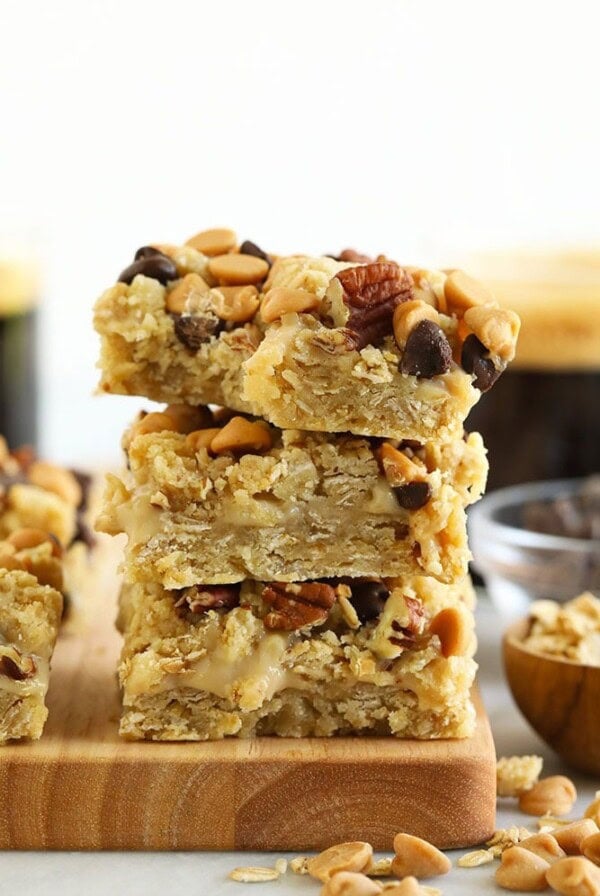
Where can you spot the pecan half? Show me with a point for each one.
(16, 666)
(199, 599)
(194, 331)
(297, 605)
(371, 293)
(353, 256)
(409, 633)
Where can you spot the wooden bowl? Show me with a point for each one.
(559, 698)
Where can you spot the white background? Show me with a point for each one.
(412, 127)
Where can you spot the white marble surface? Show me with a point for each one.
(151, 874)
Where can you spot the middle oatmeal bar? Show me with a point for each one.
(312, 343)
(342, 656)
(211, 499)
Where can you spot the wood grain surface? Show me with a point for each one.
(81, 787)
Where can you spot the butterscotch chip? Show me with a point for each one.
(590, 848)
(352, 856)
(237, 304)
(201, 438)
(407, 315)
(280, 301)
(185, 291)
(522, 871)
(218, 241)
(593, 810)
(496, 328)
(463, 292)
(241, 436)
(574, 876)
(571, 836)
(451, 628)
(55, 479)
(155, 422)
(544, 845)
(238, 270)
(418, 858)
(349, 883)
(397, 467)
(187, 418)
(25, 538)
(555, 794)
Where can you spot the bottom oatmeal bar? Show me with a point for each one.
(338, 656)
(31, 605)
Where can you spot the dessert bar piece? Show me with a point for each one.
(313, 343)
(240, 499)
(340, 656)
(31, 605)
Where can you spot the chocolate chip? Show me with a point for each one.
(368, 598)
(427, 352)
(413, 495)
(9, 668)
(151, 263)
(195, 331)
(473, 360)
(250, 248)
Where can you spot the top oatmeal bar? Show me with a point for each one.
(312, 343)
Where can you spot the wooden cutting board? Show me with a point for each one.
(81, 787)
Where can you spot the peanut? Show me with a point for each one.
(418, 858)
(571, 836)
(590, 847)
(155, 422)
(241, 436)
(407, 315)
(574, 876)
(555, 795)
(190, 286)
(201, 438)
(280, 301)
(463, 292)
(218, 241)
(522, 870)
(348, 883)
(188, 418)
(353, 856)
(238, 269)
(543, 845)
(495, 328)
(397, 467)
(453, 631)
(55, 479)
(22, 539)
(237, 304)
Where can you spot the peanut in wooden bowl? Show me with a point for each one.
(559, 698)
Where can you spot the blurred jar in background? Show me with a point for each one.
(19, 291)
(542, 418)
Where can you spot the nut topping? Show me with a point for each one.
(354, 257)
(195, 331)
(414, 624)
(297, 605)
(200, 599)
(151, 263)
(371, 293)
(427, 352)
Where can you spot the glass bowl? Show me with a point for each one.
(519, 565)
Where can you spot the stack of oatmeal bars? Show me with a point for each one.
(296, 561)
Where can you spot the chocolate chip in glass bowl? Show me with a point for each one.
(151, 263)
(250, 248)
(473, 360)
(413, 495)
(195, 331)
(368, 598)
(427, 352)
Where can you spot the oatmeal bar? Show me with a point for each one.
(31, 605)
(341, 656)
(314, 343)
(223, 503)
